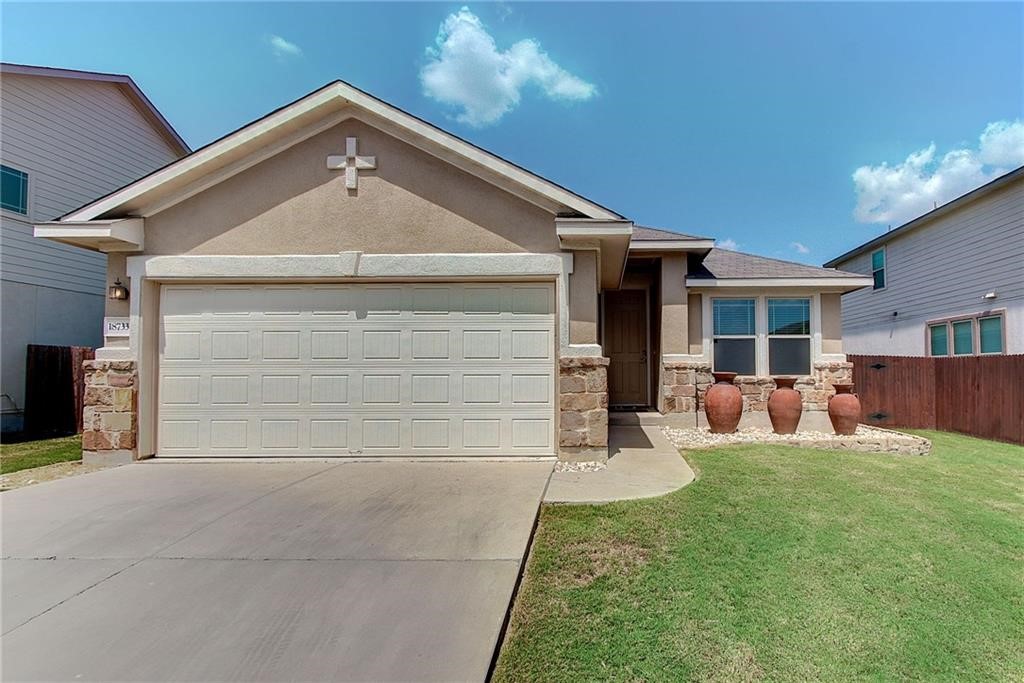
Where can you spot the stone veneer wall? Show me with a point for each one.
(110, 412)
(684, 381)
(583, 408)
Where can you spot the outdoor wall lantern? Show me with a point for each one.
(118, 292)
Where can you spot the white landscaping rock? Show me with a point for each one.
(870, 439)
(562, 466)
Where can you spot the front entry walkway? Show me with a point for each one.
(642, 463)
(308, 571)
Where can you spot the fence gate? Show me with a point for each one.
(54, 389)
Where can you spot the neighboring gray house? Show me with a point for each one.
(950, 282)
(67, 138)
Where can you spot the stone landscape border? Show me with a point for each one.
(866, 439)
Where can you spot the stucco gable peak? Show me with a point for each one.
(305, 117)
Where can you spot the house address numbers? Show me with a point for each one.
(116, 327)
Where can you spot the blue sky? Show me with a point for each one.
(745, 122)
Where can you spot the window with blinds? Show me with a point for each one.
(963, 338)
(789, 336)
(938, 340)
(734, 335)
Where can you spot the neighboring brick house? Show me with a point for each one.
(68, 137)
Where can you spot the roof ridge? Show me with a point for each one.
(776, 260)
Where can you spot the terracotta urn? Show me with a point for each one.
(844, 410)
(785, 406)
(723, 404)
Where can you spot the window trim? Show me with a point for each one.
(884, 269)
(928, 339)
(761, 296)
(29, 195)
(809, 336)
(974, 319)
(972, 334)
(754, 336)
(1001, 316)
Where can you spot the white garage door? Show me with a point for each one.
(395, 369)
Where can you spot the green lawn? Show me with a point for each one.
(21, 456)
(792, 564)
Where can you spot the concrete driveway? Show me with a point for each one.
(264, 571)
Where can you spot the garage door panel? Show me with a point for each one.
(437, 369)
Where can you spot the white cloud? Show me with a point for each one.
(896, 194)
(1002, 144)
(799, 248)
(467, 70)
(728, 243)
(283, 48)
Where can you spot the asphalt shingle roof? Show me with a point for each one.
(724, 264)
(645, 234)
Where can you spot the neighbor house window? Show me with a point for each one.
(967, 336)
(990, 334)
(789, 336)
(963, 337)
(938, 339)
(878, 268)
(734, 336)
(14, 190)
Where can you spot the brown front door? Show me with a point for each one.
(625, 343)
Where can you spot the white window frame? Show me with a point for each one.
(29, 196)
(928, 339)
(761, 297)
(1001, 315)
(757, 329)
(884, 269)
(809, 336)
(975, 320)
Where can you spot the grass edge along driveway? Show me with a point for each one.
(27, 454)
(782, 563)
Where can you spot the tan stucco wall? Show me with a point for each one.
(583, 298)
(831, 323)
(293, 204)
(116, 269)
(674, 317)
(696, 331)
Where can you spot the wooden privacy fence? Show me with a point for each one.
(978, 395)
(55, 389)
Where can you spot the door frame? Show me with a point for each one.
(646, 289)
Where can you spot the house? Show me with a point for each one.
(342, 278)
(950, 282)
(68, 137)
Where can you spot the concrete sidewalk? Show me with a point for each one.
(265, 572)
(641, 464)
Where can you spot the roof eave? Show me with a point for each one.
(698, 246)
(840, 284)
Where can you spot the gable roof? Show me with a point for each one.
(644, 234)
(724, 264)
(122, 81)
(311, 114)
(923, 219)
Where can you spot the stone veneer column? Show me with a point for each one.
(583, 409)
(110, 412)
(682, 382)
